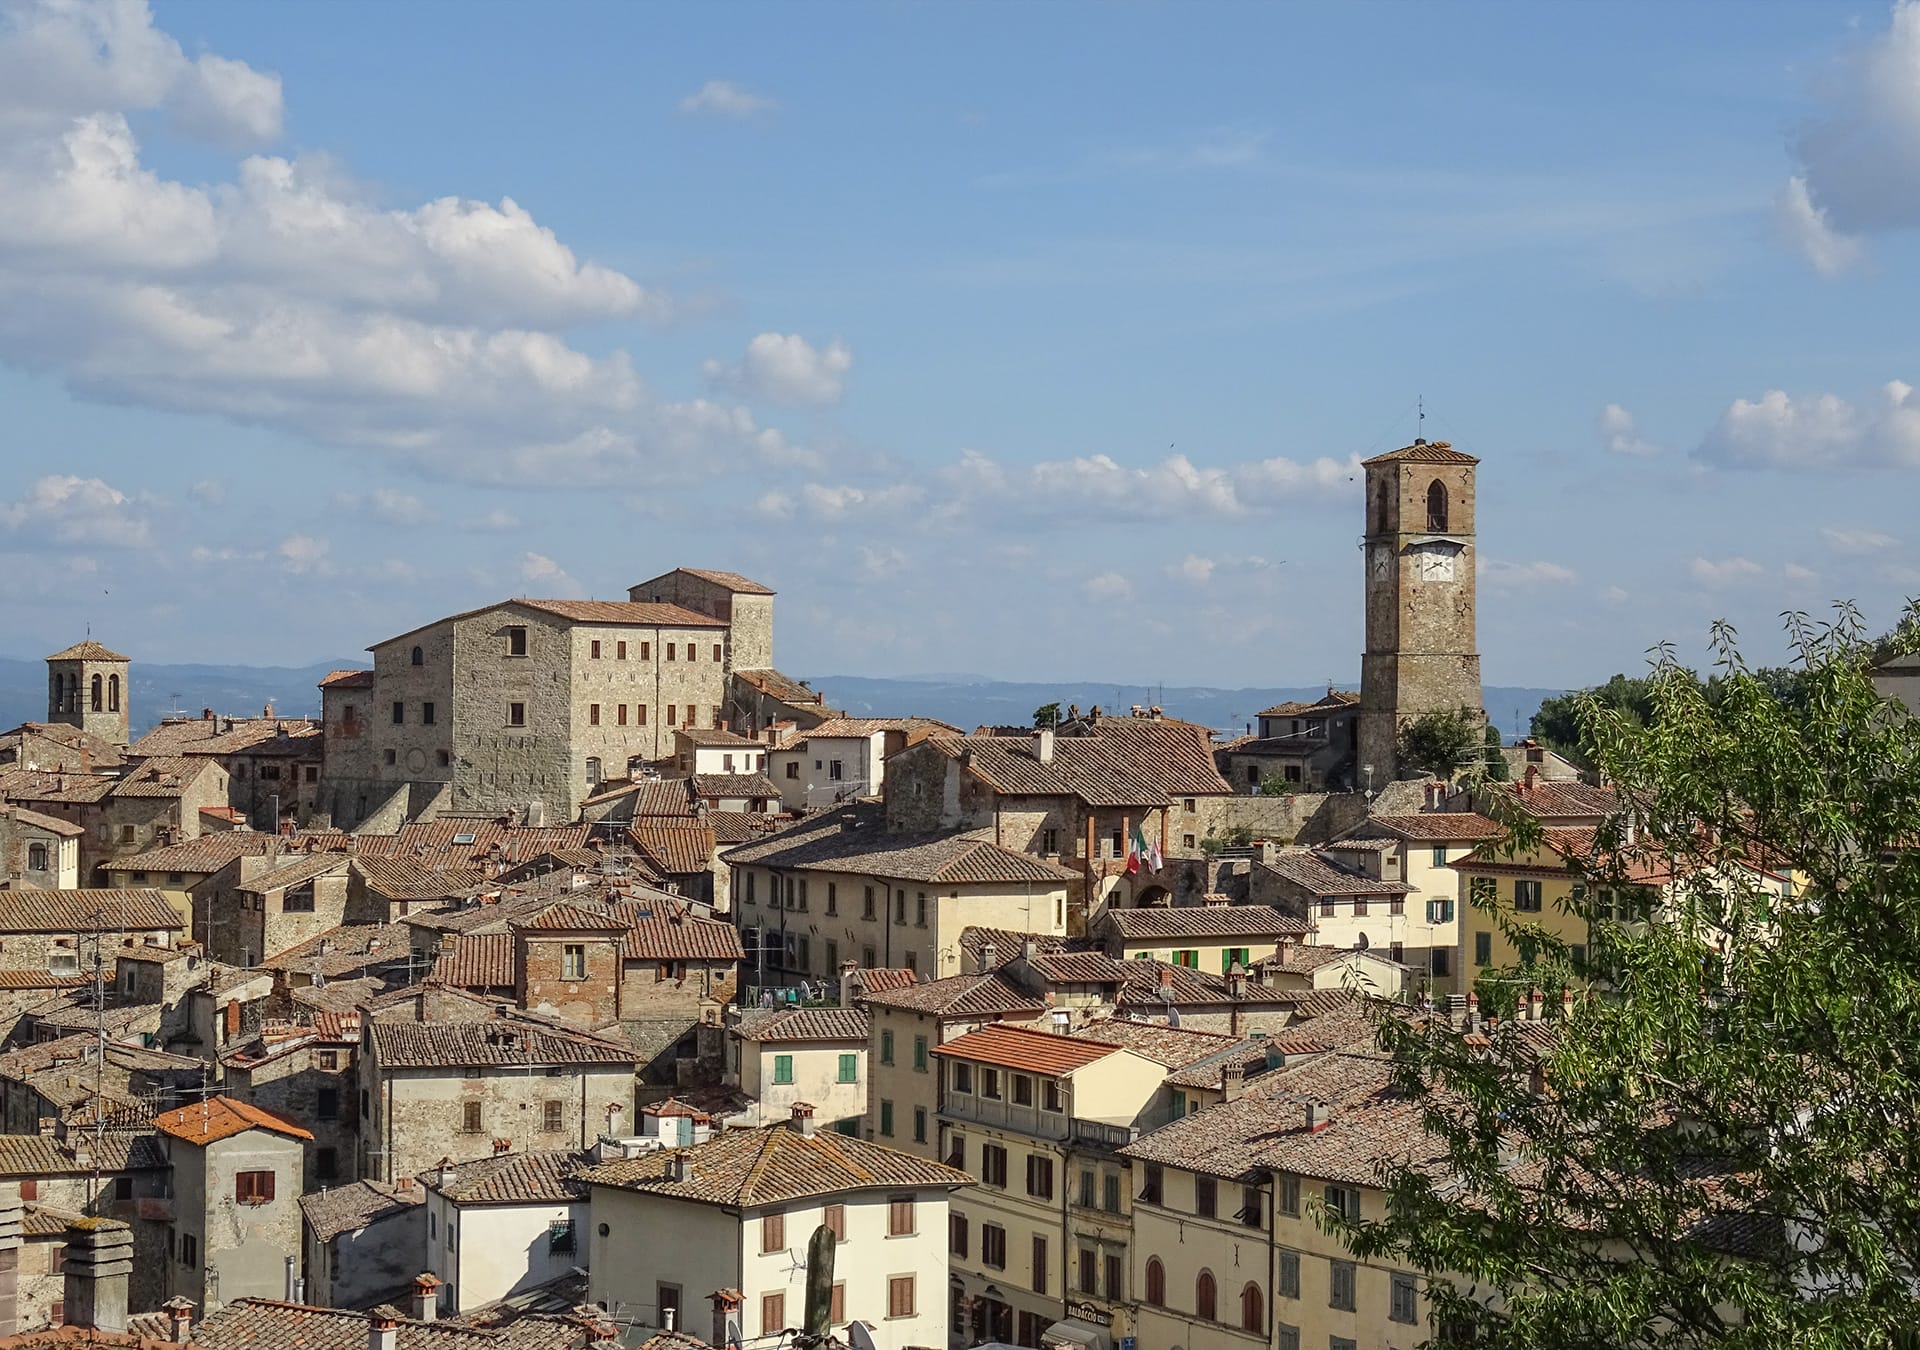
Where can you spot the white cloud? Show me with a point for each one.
(1614, 597)
(1717, 573)
(1778, 431)
(785, 368)
(1106, 586)
(1857, 542)
(881, 561)
(1193, 568)
(834, 501)
(1512, 575)
(723, 98)
(536, 569)
(208, 492)
(1804, 224)
(496, 521)
(1622, 436)
(774, 504)
(1795, 572)
(386, 505)
(305, 555)
(65, 509)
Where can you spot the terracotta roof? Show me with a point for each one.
(139, 909)
(39, 820)
(347, 679)
(41, 1155)
(413, 1045)
(269, 1324)
(39, 979)
(739, 827)
(1312, 873)
(858, 727)
(211, 852)
(716, 736)
(733, 581)
(220, 1118)
(294, 737)
(345, 1209)
(564, 918)
(662, 928)
(1439, 826)
(883, 978)
(624, 612)
(661, 797)
(163, 776)
(88, 650)
(1013, 1047)
(1333, 701)
(1558, 799)
(455, 841)
(804, 1024)
(1117, 761)
(42, 785)
(403, 878)
(784, 688)
(852, 838)
(1423, 452)
(989, 995)
(678, 848)
(476, 961)
(1008, 944)
(774, 1165)
(1170, 1047)
(296, 869)
(1204, 921)
(540, 1177)
(45, 1221)
(733, 785)
(346, 947)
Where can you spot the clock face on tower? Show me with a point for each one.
(1382, 561)
(1436, 564)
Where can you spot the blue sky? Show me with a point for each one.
(1037, 341)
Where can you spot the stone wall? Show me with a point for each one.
(540, 961)
(417, 1115)
(1298, 818)
(296, 1084)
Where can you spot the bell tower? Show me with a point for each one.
(87, 688)
(1419, 544)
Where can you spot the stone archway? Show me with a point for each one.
(1153, 897)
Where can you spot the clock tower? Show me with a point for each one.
(1420, 655)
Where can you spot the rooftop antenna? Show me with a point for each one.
(1420, 402)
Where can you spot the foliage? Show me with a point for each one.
(1496, 762)
(1718, 1148)
(1046, 716)
(1441, 743)
(1273, 785)
(1211, 845)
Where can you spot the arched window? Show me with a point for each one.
(419, 657)
(1252, 1309)
(113, 693)
(99, 695)
(1156, 1282)
(1436, 505)
(1205, 1300)
(1381, 498)
(593, 769)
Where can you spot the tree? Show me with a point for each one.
(1556, 724)
(1496, 761)
(1717, 1148)
(1441, 743)
(1046, 716)
(1273, 785)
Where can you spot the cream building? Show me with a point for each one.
(742, 1208)
(1420, 850)
(1212, 938)
(501, 1225)
(813, 1055)
(844, 757)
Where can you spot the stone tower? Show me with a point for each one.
(1420, 655)
(87, 688)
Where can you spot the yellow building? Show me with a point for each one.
(1201, 937)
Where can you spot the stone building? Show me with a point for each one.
(120, 1175)
(308, 1073)
(38, 851)
(87, 688)
(844, 757)
(272, 763)
(56, 931)
(1420, 560)
(283, 903)
(1307, 747)
(362, 1242)
(57, 748)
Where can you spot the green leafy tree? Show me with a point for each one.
(1719, 1147)
(1273, 785)
(1442, 743)
(1556, 724)
(1046, 716)
(1496, 762)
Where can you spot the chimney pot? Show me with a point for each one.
(99, 1257)
(1317, 1116)
(989, 957)
(1043, 745)
(803, 1117)
(383, 1328)
(426, 1296)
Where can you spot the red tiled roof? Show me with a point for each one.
(347, 679)
(661, 928)
(1117, 761)
(675, 849)
(402, 878)
(731, 785)
(1423, 452)
(774, 1165)
(223, 1117)
(733, 581)
(624, 612)
(1333, 701)
(476, 961)
(852, 838)
(138, 909)
(566, 918)
(540, 1177)
(1313, 874)
(1205, 921)
(1013, 1047)
(1439, 826)
(989, 995)
(804, 1024)
(89, 650)
(507, 1040)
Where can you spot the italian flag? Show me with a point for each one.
(1138, 854)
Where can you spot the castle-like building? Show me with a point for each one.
(87, 689)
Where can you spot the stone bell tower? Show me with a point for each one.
(87, 688)
(1419, 544)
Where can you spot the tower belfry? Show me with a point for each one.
(1419, 543)
(87, 688)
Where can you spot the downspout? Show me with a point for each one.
(1273, 1249)
(386, 1130)
(583, 1110)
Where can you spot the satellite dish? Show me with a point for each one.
(1173, 1016)
(859, 1337)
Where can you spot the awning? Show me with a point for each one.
(1074, 1334)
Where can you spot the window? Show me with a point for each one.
(1088, 1260)
(470, 1117)
(919, 1124)
(899, 906)
(1397, 905)
(593, 649)
(1342, 1343)
(1343, 1200)
(793, 771)
(1039, 1177)
(552, 1117)
(253, 1188)
(1436, 505)
(516, 714)
(189, 1250)
(1578, 954)
(1286, 1337)
(673, 716)
(783, 1068)
(1439, 855)
(1480, 890)
(1252, 1212)
(1340, 1285)
(113, 693)
(619, 651)
(1050, 1099)
(99, 695)
(1360, 907)
(919, 1054)
(399, 712)
(1110, 1193)
(1483, 949)
(957, 1234)
(1206, 1301)
(640, 714)
(1440, 911)
(1253, 1311)
(446, 758)
(993, 1246)
(326, 1166)
(886, 1118)
(560, 1237)
(1286, 1198)
(1289, 1275)
(920, 910)
(849, 1068)
(1119, 843)
(1039, 1264)
(836, 771)
(1022, 1090)
(773, 1232)
(900, 1216)
(886, 1046)
(900, 1296)
(426, 714)
(392, 757)
(1111, 1274)
(573, 961)
(835, 1219)
(516, 641)
(990, 1084)
(1403, 1301)
(773, 1314)
(326, 1103)
(963, 1079)
(593, 770)
(1206, 1197)
(37, 857)
(1526, 897)
(1152, 1185)
(833, 899)
(1441, 959)
(1156, 1282)
(993, 1165)
(1232, 956)
(670, 651)
(593, 714)
(1397, 951)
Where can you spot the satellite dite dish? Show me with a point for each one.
(859, 1337)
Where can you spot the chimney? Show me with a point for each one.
(10, 1217)
(1536, 1003)
(1473, 1013)
(989, 957)
(291, 1279)
(1233, 1080)
(383, 1328)
(724, 1301)
(233, 1018)
(206, 714)
(1043, 745)
(1283, 950)
(803, 1117)
(1317, 1116)
(426, 1296)
(99, 1259)
(445, 1177)
(1533, 772)
(679, 1167)
(1236, 980)
(1029, 949)
(179, 1311)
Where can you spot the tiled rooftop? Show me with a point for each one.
(413, 1045)
(542, 1176)
(476, 961)
(1423, 452)
(1205, 921)
(1170, 1047)
(293, 737)
(345, 1209)
(409, 879)
(804, 1024)
(1117, 761)
(852, 838)
(1013, 1047)
(1313, 874)
(88, 650)
(269, 1324)
(218, 1118)
(730, 785)
(774, 1165)
(989, 995)
(675, 845)
(733, 581)
(1439, 826)
(137, 909)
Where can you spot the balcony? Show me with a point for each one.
(1102, 1137)
(1004, 1115)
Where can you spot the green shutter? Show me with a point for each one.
(886, 1119)
(886, 1047)
(920, 1054)
(783, 1068)
(849, 1069)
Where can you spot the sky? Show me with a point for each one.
(1028, 341)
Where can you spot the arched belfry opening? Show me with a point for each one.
(1437, 506)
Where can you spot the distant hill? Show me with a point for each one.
(967, 701)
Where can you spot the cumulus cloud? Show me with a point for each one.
(724, 98)
(1621, 435)
(1717, 573)
(1171, 487)
(1857, 542)
(1193, 568)
(785, 368)
(305, 555)
(882, 560)
(1107, 586)
(208, 492)
(1805, 226)
(1797, 573)
(543, 573)
(88, 512)
(1515, 575)
(1781, 432)
(496, 521)
(386, 505)
(774, 504)
(1614, 597)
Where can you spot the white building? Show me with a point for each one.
(502, 1225)
(844, 757)
(701, 750)
(813, 1055)
(742, 1209)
